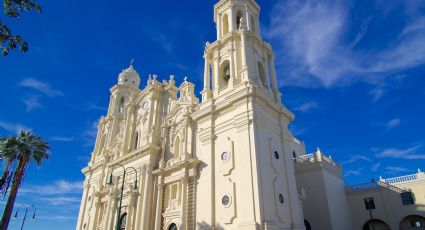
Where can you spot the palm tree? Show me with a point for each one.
(7, 154)
(29, 148)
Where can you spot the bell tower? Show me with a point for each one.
(239, 54)
(248, 178)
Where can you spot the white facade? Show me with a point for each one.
(222, 163)
(225, 162)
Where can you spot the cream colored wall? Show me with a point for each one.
(316, 207)
(337, 201)
(325, 206)
(389, 207)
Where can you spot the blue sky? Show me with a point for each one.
(351, 71)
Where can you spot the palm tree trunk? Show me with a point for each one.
(17, 179)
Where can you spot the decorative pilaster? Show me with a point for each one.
(83, 205)
(140, 200)
(160, 189)
(183, 202)
(206, 92)
(146, 212)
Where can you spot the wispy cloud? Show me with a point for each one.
(377, 93)
(306, 107)
(396, 169)
(355, 158)
(375, 167)
(357, 172)
(408, 153)
(57, 218)
(393, 123)
(61, 200)
(312, 38)
(56, 188)
(42, 87)
(32, 102)
(13, 127)
(62, 139)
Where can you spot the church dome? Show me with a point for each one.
(129, 76)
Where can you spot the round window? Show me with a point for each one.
(281, 198)
(225, 156)
(225, 200)
(276, 155)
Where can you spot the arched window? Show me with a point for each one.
(121, 108)
(225, 24)
(253, 24)
(238, 19)
(176, 147)
(225, 74)
(123, 221)
(262, 75)
(136, 141)
(173, 226)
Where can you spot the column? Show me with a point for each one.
(146, 199)
(275, 86)
(232, 67)
(97, 205)
(206, 93)
(248, 22)
(83, 205)
(216, 73)
(130, 213)
(112, 214)
(183, 203)
(160, 188)
(219, 27)
(232, 22)
(108, 211)
(140, 199)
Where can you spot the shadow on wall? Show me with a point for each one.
(205, 226)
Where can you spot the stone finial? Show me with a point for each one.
(132, 62)
(150, 79)
(380, 178)
(419, 171)
(185, 79)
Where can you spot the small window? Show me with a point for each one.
(121, 108)
(225, 200)
(238, 19)
(262, 75)
(225, 24)
(276, 155)
(369, 203)
(294, 154)
(136, 141)
(407, 198)
(281, 200)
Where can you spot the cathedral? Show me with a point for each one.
(166, 160)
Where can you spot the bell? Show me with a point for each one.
(227, 74)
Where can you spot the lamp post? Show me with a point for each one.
(25, 215)
(110, 183)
